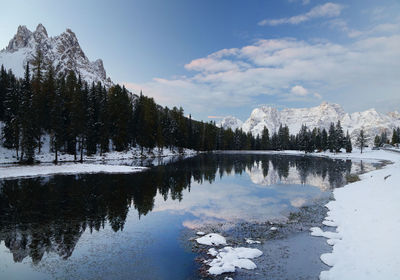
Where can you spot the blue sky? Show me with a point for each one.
(217, 58)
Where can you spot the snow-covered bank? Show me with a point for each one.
(9, 172)
(368, 154)
(366, 217)
(8, 156)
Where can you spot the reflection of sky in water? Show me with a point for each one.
(48, 219)
(145, 249)
(236, 198)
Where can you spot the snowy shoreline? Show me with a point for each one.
(8, 156)
(112, 162)
(364, 219)
(364, 214)
(29, 171)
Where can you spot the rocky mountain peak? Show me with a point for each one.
(20, 40)
(40, 29)
(230, 122)
(63, 51)
(371, 121)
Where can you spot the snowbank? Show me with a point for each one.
(45, 156)
(366, 216)
(228, 259)
(79, 168)
(212, 239)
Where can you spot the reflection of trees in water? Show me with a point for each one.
(49, 215)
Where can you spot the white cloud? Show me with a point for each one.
(326, 10)
(352, 74)
(299, 90)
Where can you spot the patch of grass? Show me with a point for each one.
(351, 178)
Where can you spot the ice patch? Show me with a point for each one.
(273, 228)
(316, 231)
(200, 233)
(229, 258)
(250, 241)
(212, 239)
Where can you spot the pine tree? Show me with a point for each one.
(265, 143)
(394, 137)
(384, 138)
(78, 116)
(119, 111)
(377, 141)
(318, 140)
(275, 141)
(303, 139)
(58, 108)
(398, 134)
(104, 120)
(92, 124)
(332, 142)
(361, 140)
(70, 89)
(39, 99)
(3, 90)
(28, 142)
(348, 145)
(324, 140)
(12, 101)
(339, 137)
(283, 134)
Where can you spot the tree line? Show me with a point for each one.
(382, 139)
(83, 118)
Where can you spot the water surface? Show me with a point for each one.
(138, 226)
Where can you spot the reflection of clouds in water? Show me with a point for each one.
(298, 202)
(227, 202)
(257, 177)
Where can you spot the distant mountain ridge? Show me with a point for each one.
(320, 116)
(63, 51)
(230, 122)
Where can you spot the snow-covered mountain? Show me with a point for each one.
(230, 122)
(321, 116)
(63, 51)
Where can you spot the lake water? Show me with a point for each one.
(140, 226)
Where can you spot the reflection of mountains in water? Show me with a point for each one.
(50, 214)
(301, 170)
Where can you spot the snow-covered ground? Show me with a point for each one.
(111, 162)
(9, 172)
(366, 217)
(9, 156)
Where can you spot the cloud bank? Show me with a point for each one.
(326, 10)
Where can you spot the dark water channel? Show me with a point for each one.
(138, 226)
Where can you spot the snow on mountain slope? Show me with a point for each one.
(63, 51)
(321, 116)
(230, 122)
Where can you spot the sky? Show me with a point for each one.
(227, 57)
